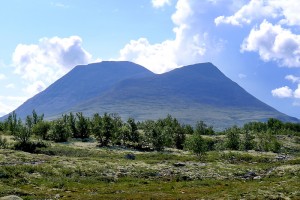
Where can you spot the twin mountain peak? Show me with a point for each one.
(191, 93)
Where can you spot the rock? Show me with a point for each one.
(257, 178)
(250, 175)
(130, 156)
(281, 157)
(179, 164)
(11, 197)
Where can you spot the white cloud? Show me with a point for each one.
(297, 92)
(289, 10)
(274, 43)
(160, 3)
(253, 10)
(48, 60)
(283, 92)
(2, 76)
(190, 44)
(285, 11)
(293, 78)
(35, 88)
(9, 103)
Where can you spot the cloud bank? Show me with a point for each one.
(188, 46)
(43, 63)
(274, 43)
(160, 3)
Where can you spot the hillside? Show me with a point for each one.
(81, 83)
(191, 93)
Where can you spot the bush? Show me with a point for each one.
(1, 126)
(82, 126)
(233, 138)
(59, 132)
(197, 145)
(23, 135)
(268, 142)
(3, 143)
(41, 129)
(29, 146)
(248, 141)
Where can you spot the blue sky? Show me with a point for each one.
(255, 43)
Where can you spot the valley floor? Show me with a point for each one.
(80, 170)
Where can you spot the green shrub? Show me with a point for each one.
(59, 132)
(268, 142)
(248, 142)
(29, 146)
(3, 143)
(41, 129)
(233, 138)
(197, 144)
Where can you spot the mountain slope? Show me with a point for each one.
(81, 83)
(191, 93)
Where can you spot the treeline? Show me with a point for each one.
(111, 130)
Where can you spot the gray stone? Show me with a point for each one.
(11, 197)
(179, 164)
(130, 156)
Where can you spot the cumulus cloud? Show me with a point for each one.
(274, 43)
(283, 92)
(287, 12)
(293, 78)
(9, 103)
(297, 92)
(188, 46)
(249, 12)
(43, 63)
(160, 3)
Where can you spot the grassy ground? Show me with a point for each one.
(80, 170)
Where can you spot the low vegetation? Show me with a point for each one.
(104, 157)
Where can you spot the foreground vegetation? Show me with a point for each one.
(102, 157)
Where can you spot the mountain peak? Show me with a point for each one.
(190, 93)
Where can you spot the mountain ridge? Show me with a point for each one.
(190, 93)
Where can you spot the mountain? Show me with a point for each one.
(191, 93)
(80, 84)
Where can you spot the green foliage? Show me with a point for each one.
(274, 125)
(3, 143)
(82, 126)
(41, 129)
(233, 138)
(23, 134)
(154, 135)
(59, 131)
(202, 129)
(197, 144)
(248, 142)
(96, 127)
(103, 128)
(268, 142)
(133, 131)
(71, 121)
(2, 126)
(12, 123)
(255, 127)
